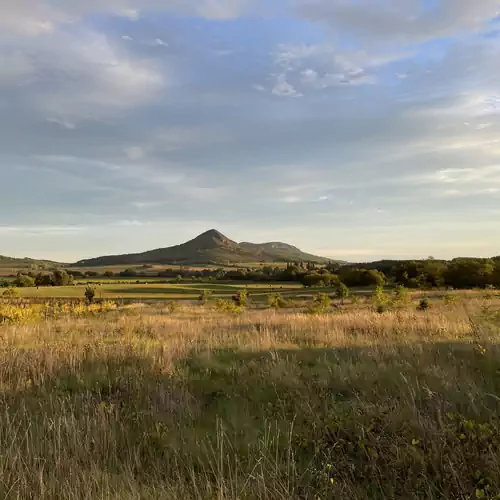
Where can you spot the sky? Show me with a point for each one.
(354, 129)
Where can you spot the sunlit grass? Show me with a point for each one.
(152, 402)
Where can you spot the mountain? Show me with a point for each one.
(211, 247)
(282, 251)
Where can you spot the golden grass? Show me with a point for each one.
(146, 403)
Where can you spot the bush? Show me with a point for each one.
(341, 292)
(205, 296)
(241, 298)
(321, 304)
(380, 299)
(11, 292)
(276, 301)
(90, 294)
(424, 304)
(401, 297)
(227, 306)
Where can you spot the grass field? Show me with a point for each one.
(11, 270)
(143, 403)
(184, 291)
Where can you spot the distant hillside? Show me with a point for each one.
(211, 247)
(26, 263)
(282, 252)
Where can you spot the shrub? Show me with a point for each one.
(401, 297)
(341, 292)
(227, 306)
(321, 304)
(204, 296)
(380, 298)
(90, 294)
(424, 304)
(276, 301)
(241, 298)
(11, 292)
(451, 300)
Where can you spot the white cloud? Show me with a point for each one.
(84, 76)
(38, 17)
(259, 88)
(161, 43)
(320, 66)
(401, 21)
(127, 37)
(283, 88)
(488, 174)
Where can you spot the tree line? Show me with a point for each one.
(461, 273)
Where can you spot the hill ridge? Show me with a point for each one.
(209, 247)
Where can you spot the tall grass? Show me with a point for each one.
(153, 403)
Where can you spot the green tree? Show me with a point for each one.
(380, 299)
(42, 279)
(24, 281)
(470, 273)
(61, 278)
(341, 292)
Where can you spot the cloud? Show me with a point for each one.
(161, 43)
(283, 88)
(489, 174)
(320, 127)
(81, 75)
(402, 21)
(320, 66)
(39, 17)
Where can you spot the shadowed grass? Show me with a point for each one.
(146, 404)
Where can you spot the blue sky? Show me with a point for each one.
(352, 129)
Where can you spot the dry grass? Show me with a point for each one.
(143, 403)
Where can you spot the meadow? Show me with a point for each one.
(152, 401)
(162, 291)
